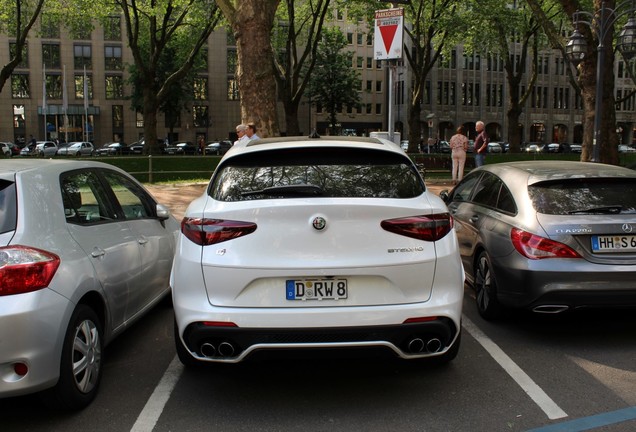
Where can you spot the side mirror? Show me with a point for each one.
(163, 212)
(445, 196)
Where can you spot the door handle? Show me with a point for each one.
(97, 252)
(474, 218)
(142, 240)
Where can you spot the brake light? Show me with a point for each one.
(425, 227)
(536, 247)
(24, 269)
(205, 232)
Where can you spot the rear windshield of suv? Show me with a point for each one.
(316, 172)
(8, 206)
(584, 196)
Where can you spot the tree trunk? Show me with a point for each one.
(252, 25)
(415, 128)
(150, 119)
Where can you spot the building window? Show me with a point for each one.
(139, 119)
(113, 58)
(200, 117)
(370, 38)
(49, 27)
(200, 88)
(378, 108)
(369, 62)
(79, 86)
(82, 56)
(82, 30)
(51, 55)
(20, 86)
(359, 38)
(114, 87)
(13, 48)
(232, 61)
(18, 117)
(118, 116)
(378, 86)
(232, 89)
(369, 85)
(359, 62)
(53, 84)
(369, 108)
(112, 28)
(350, 38)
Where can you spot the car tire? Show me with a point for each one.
(486, 289)
(78, 154)
(182, 352)
(80, 367)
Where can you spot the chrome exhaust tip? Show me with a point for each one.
(208, 350)
(550, 309)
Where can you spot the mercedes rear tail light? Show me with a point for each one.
(536, 247)
(205, 232)
(424, 227)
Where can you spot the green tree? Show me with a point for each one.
(151, 26)
(334, 83)
(251, 22)
(16, 19)
(296, 37)
(429, 27)
(586, 79)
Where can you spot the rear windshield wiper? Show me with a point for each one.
(288, 190)
(610, 209)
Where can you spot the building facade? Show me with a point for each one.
(76, 87)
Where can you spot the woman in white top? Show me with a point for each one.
(459, 145)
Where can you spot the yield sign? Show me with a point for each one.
(389, 27)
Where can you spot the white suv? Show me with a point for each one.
(316, 243)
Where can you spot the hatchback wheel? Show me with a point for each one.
(80, 367)
(486, 289)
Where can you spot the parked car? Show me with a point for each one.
(45, 149)
(218, 147)
(77, 148)
(112, 149)
(15, 149)
(443, 147)
(576, 148)
(547, 236)
(97, 250)
(533, 148)
(626, 149)
(314, 243)
(182, 148)
(494, 147)
(404, 144)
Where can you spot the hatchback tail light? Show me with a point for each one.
(425, 227)
(205, 232)
(536, 247)
(25, 269)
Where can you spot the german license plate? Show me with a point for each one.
(316, 289)
(626, 243)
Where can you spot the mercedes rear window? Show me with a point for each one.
(8, 206)
(584, 196)
(316, 172)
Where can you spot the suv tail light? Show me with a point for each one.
(427, 228)
(24, 269)
(205, 232)
(535, 247)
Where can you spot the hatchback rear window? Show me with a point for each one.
(8, 206)
(316, 172)
(584, 196)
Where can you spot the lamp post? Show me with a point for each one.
(577, 46)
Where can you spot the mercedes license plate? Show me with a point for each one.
(626, 243)
(316, 289)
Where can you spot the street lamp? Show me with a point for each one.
(577, 45)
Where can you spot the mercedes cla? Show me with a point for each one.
(316, 243)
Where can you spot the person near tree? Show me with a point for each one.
(459, 145)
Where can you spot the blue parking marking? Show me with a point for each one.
(592, 422)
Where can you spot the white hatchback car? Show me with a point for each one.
(314, 243)
(85, 251)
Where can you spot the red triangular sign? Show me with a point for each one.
(388, 33)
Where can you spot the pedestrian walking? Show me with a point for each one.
(458, 144)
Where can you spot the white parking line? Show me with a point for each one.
(535, 392)
(154, 407)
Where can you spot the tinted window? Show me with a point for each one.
(594, 196)
(487, 191)
(319, 172)
(8, 206)
(464, 190)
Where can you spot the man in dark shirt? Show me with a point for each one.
(481, 144)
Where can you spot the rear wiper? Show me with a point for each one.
(611, 209)
(288, 190)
